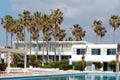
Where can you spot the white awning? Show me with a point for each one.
(6, 50)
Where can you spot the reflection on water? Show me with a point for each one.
(84, 76)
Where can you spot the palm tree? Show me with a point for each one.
(99, 29)
(78, 32)
(47, 24)
(102, 32)
(47, 38)
(26, 20)
(58, 35)
(7, 23)
(115, 23)
(57, 17)
(18, 30)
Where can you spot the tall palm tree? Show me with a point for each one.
(47, 25)
(59, 35)
(99, 29)
(7, 23)
(102, 32)
(78, 32)
(26, 20)
(57, 17)
(18, 30)
(115, 23)
(47, 38)
(38, 27)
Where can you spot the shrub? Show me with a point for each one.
(13, 65)
(112, 65)
(2, 66)
(56, 64)
(65, 67)
(63, 62)
(36, 64)
(20, 64)
(32, 58)
(98, 65)
(46, 65)
(80, 65)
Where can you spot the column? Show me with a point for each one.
(8, 67)
(25, 63)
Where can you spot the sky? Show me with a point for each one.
(82, 12)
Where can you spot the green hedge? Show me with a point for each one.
(112, 65)
(56, 64)
(98, 65)
(32, 58)
(36, 64)
(80, 65)
(65, 67)
(21, 64)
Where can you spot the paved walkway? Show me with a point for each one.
(36, 73)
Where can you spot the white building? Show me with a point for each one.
(103, 53)
(73, 51)
(63, 48)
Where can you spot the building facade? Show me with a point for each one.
(103, 53)
(73, 51)
(63, 48)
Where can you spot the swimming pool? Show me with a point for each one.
(81, 76)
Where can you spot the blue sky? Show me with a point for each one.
(82, 12)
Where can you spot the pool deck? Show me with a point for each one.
(43, 72)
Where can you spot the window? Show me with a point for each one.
(111, 51)
(95, 51)
(80, 51)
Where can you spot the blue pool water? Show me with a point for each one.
(82, 76)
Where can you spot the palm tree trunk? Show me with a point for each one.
(17, 44)
(37, 50)
(114, 36)
(43, 54)
(47, 52)
(6, 39)
(30, 48)
(96, 39)
(55, 51)
(11, 35)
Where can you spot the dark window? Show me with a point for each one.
(111, 51)
(95, 51)
(80, 51)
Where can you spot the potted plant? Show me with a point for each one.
(2, 66)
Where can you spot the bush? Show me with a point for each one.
(56, 64)
(65, 67)
(20, 64)
(63, 62)
(2, 66)
(112, 65)
(98, 65)
(47, 65)
(80, 65)
(36, 64)
(13, 65)
(32, 58)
